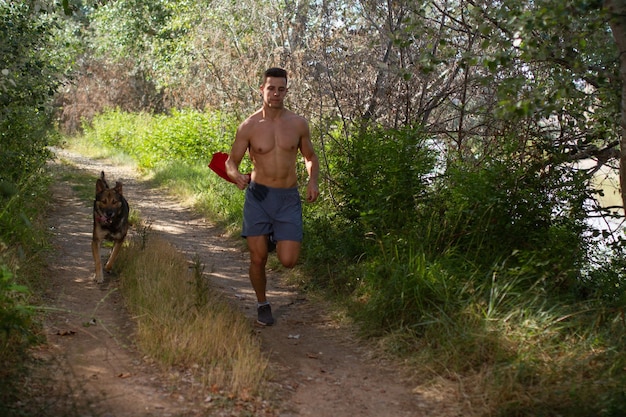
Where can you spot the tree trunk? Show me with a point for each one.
(617, 9)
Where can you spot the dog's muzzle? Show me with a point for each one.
(103, 219)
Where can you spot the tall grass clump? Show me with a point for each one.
(16, 316)
(512, 345)
(182, 321)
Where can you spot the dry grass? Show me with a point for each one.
(182, 321)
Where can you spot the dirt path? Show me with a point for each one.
(317, 367)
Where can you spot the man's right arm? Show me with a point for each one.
(237, 151)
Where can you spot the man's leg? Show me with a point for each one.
(258, 258)
(288, 252)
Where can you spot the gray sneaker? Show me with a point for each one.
(265, 315)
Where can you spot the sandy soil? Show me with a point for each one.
(317, 367)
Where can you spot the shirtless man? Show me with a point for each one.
(272, 210)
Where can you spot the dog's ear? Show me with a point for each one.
(100, 186)
(118, 187)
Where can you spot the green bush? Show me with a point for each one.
(382, 178)
(15, 314)
(388, 193)
(153, 140)
(27, 82)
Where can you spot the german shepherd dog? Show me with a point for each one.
(110, 222)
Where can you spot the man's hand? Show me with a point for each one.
(312, 192)
(242, 181)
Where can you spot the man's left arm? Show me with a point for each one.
(312, 166)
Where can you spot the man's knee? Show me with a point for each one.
(288, 262)
(288, 252)
(288, 258)
(258, 260)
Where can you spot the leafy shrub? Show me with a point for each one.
(27, 82)
(115, 129)
(15, 314)
(382, 177)
(506, 211)
(153, 140)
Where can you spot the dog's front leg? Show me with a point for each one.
(95, 249)
(116, 250)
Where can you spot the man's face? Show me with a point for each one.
(274, 91)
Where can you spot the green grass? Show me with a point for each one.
(501, 350)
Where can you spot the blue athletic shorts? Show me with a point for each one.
(272, 210)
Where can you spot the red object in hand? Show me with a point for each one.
(218, 165)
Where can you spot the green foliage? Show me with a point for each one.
(23, 142)
(155, 35)
(191, 136)
(470, 258)
(15, 315)
(402, 290)
(16, 332)
(504, 207)
(386, 190)
(29, 75)
(605, 282)
(154, 140)
(218, 199)
(382, 177)
(28, 79)
(126, 27)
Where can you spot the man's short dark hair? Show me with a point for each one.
(275, 72)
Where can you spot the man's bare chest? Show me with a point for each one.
(268, 137)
